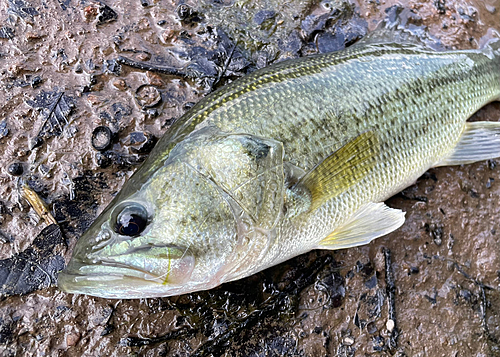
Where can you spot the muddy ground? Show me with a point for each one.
(432, 288)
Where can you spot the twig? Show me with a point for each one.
(391, 298)
(152, 68)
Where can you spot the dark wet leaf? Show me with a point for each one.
(6, 32)
(122, 161)
(140, 142)
(264, 15)
(55, 108)
(6, 331)
(4, 131)
(21, 8)
(202, 68)
(112, 67)
(292, 44)
(106, 14)
(36, 267)
(334, 285)
(187, 15)
(329, 42)
(314, 23)
(83, 206)
(64, 3)
(120, 110)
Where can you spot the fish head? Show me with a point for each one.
(205, 217)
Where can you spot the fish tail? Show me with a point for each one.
(494, 46)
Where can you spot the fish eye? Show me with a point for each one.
(131, 220)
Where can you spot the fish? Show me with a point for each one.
(293, 157)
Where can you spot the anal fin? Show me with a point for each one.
(479, 141)
(370, 222)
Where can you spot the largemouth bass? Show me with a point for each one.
(293, 157)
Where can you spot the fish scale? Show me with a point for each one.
(293, 157)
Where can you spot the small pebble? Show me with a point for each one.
(93, 99)
(348, 341)
(90, 12)
(72, 339)
(155, 79)
(36, 81)
(390, 325)
(15, 169)
(167, 35)
(413, 270)
(371, 327)
(120, 84)
(143, 56)
(31, 36)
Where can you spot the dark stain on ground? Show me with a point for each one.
(35, 268)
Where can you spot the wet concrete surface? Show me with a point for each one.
(432, 288)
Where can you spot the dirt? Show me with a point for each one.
(432, 288)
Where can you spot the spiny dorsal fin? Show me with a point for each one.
(344, 168)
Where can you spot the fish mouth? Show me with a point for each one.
(113, 280)
(105, 279)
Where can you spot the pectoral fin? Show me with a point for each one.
(372, 221)
(479, 141)
(335, 174)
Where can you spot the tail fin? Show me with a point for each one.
(480, 140)
(494, 44)
(492, 47)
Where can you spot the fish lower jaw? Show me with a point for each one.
(120, 282)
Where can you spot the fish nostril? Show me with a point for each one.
(102, 239)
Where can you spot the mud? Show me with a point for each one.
(432, 288)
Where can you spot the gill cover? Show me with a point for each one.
(247, 168)
(246, 173)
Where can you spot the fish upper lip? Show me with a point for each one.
(116, 285)
(103, 284)
(92, 270)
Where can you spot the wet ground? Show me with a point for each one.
(432, 288)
